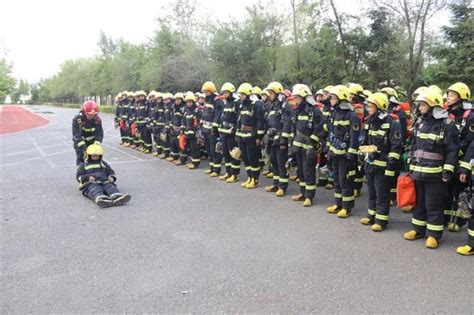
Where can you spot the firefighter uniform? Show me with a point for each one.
(101, 189)
(190, 127)
(307, 127)
(165, 133)
(158, 124)
(209, 127)
(463, 115)
(176, 118)
(142, 113)
(467, 169)
(433, 158)
(278, 122)
(343, 150)
(151, 108)
(250, 130)
(383, 134)
(85, 132)
(118, 116)
(227, 121)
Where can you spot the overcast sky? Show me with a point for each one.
(37, 36)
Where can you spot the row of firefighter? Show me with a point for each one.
(340, 137)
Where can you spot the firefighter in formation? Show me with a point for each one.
(339, 137)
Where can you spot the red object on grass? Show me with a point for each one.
(14, 118)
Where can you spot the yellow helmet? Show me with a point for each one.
(159, 94)
(95, 149)
(328, 88)
(390, 91)
(367, 93)
(189, 96)
(462, 89)
(275, 87)
(179, 95)
(245, 88)
(256, 90)
(341, 92)
(419, 90)
(130, 94)
(355, 88)
(265, 92)
(301, 90)
(167, 95)
(152, 93)
(199, 94)
(379, 99)
(228, 87)
(430, 97)
(436, 88)
(140, 93)
(209, 87)
(319, 92)
(124, 93)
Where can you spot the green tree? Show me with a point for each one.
(7, 82)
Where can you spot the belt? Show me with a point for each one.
(421, 154)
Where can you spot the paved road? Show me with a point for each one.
(189, 243)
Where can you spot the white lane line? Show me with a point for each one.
(37, 158)
(43, 154)
(28, 151)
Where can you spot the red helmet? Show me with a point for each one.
(90, 108)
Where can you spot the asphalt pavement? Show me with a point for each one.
(190, 243)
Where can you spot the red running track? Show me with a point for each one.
(16, 118)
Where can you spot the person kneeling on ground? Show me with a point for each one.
(97, 179)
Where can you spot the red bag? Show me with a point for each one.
(182, 142)
(133, 129)
(406, 192)
(122, 124)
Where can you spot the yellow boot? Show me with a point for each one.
(207, 172)
(407, 209)
(298, 197)
(412, 235)
(280, 192)
(269, 175)
(213, 174)
(178, 163)
(343, 213)
(329, 186)
(253, 184)
(126, 144)
(293, 178)
(453, 227)
(357, 193)
(232, 179)
(264, 173)
(465, 250)
(224, 177)
(244, 184)
(155, 154)
(271, 188)
(191, 166)
(366, 221)
(169, 159)
(431, 242)
(333, 209)
(377, 228)
(307, 202)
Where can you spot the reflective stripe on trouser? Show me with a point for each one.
(282, 157)
(94, 190)
(378, 187)
(455, 187)
(306, 173)
(214, 157)
(428, 215)
(146, 136)
(343, 186)
(359, 177)
(174, 145)
(194, 151)
(232, 165)
(250, 156)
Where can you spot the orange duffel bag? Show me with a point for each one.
(183, 141)
(406, 192)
